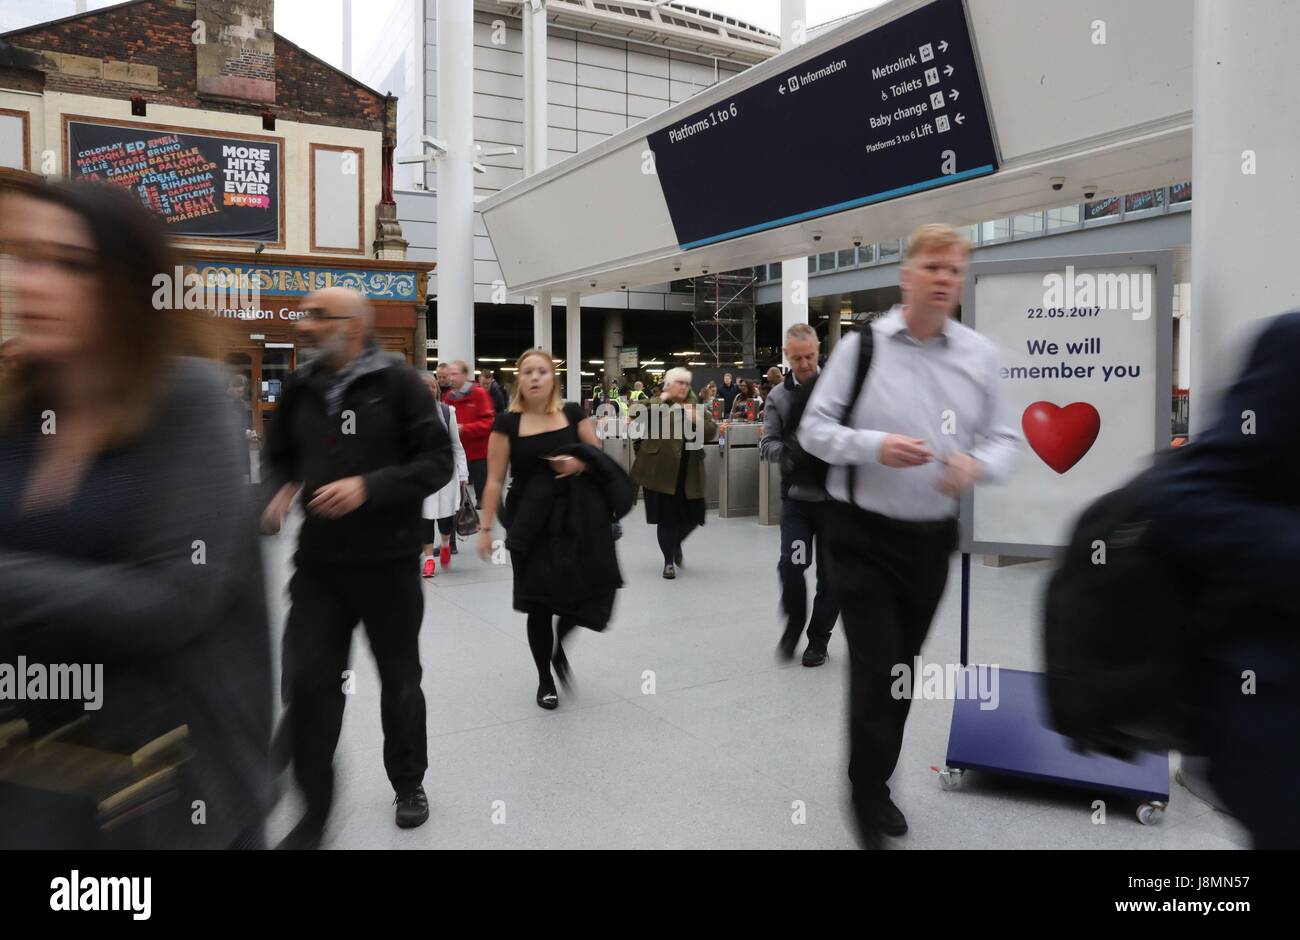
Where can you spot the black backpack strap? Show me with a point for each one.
(866, 348)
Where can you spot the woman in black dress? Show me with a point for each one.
(538, 423)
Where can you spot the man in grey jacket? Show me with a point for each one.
(804, 501)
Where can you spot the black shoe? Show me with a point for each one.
(560, 662)
(547, 698)
(670, 572)
(815, 654)
(868, 836)
(677, 557)
(884, 816)
(412, 808)
(789, 640)
(305, 836)
(454, 550)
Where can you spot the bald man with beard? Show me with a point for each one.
(358, 443)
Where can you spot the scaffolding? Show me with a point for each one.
(723, 318)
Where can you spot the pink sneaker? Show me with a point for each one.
(428, 569)
(445, 556)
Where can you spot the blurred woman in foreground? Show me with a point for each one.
(128, 554)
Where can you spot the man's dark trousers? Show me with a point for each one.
(327, 601)
(803, 524)
(889, 576)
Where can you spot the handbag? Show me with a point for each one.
(467, 523)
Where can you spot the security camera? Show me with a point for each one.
(816, 236)
(857, 241)
(706, 271)
(1089, 190)
(677, 267)
(1058, 183)
(622, 287)
(593, 283)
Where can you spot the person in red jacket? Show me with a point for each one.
(474, 417)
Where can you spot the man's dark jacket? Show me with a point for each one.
(561, 541)
(387, 432)
(1229, 512)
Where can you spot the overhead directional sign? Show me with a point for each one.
(889, 113)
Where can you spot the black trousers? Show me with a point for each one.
(327, 602)
(888, 576)
(803, 525)
(477, 478)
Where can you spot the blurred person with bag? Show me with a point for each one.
(128, 540)
(474, 417)
(442, 508)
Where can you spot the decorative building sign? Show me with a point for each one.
(895, 111)
(297, 280)
(202, 186)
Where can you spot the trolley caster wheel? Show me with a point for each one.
(1150, 814)
(950, 778)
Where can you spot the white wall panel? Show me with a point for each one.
(499, 60)
(647, 63)
(596, 100)
(560, 93)
(608, 79)
(558, 116)
(558, 70)
(600, 122)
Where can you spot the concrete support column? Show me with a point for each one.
(573, 345)
(613, 340)
(833, 330)
(542, 338)
(347, 36)
(794, 271)
(535, 97)
(456, 181)
(420, 354)
(1183, 297)
(1247, 120)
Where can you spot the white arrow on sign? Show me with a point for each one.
(943, 45)
(960, 118)
(947, 70)
(955, 94)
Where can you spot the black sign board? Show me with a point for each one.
(201, 186)
(893, 112)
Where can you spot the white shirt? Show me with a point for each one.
(946, 391)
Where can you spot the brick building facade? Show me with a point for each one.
(256, 128)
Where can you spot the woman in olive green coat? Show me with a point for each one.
(670, 472)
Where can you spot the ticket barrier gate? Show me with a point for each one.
(769, 493)
(738, 477)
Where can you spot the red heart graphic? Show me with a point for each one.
(1061, 436)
